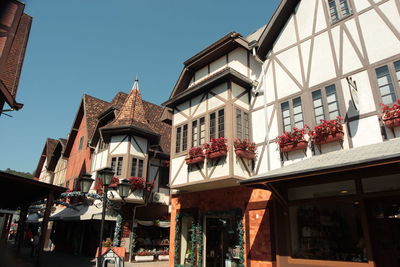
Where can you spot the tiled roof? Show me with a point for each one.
(132, 113)
(153, 116)
(93, 107)
(119, 100)
(336, 159)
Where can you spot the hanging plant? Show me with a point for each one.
(244, 148)
(294, 140)
(327, 131)
(98, 186)
(391, 115)
(216, 148)
(196, 155)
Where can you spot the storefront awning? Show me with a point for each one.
(82, 213)
(384, 153)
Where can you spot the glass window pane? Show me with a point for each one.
(386, 90)
(288, 128)
(297, 110)
(319, 111)
(331, 89)
(178, 140)
(317, 102)
(344, 8)
(316, 94)
(333, 11)
(221, 123)
(319, 118)
(297, 102)
(194, 134)
(382, 71)
(239, 123)
(298, 117)
(286, 121)
(385, 80)
(119, 166)
(202, 131)
(388, 99)
(140, 168)
(286, 113)
(331, 98)
(322, 190)
(333, 115)
(184, 137)
(212, 125)
(133, 168)
(333, 106)
(327, 231)
(299, 124)
(246, 125)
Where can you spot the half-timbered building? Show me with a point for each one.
(335, 194)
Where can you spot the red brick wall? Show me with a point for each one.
(79, 161)
(253, 203)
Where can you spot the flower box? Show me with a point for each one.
(245, 154)
(194, 160)
(330, 138)
(293, 147)
(391, 122)
(163, 257)
(216, 154)
(144, 258)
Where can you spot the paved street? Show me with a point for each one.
(58, 259)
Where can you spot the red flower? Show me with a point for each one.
(196, 151)
(244, 144)
(322, 131)
(291, 138)
(217, 144)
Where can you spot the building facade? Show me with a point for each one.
(313, 201)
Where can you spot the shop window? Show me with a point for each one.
(198, 132)
(388, 81)
(341, 188)
(242, 124)
(181, 138)
(325, 103)
(292, 114)
(381, 183)
(137, 167)
(330, 231)
(338, 9)
(217, 124)
(116, 165)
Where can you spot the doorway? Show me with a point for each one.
(384, 220)
(220, 239)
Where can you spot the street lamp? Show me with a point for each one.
(86, 182)
(123, 188)
(105, 175)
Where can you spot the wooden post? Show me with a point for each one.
(49, 204)
(19, 239)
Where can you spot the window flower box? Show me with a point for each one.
(391, 115)
(294, 146)
(245, 154)
(327, 131)
(144, 258)
(163, 257)
(292, 141)
(196, 155)
(245, 149)
(217, 148)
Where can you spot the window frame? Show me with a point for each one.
(217, 130)
(395, 82)
(291, 112)
(81, 139)
(138, 160)
(339, 14)
(242, 123)
(181, 141)
(324, 100)
(117, 161)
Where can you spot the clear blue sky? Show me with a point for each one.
(98, 47)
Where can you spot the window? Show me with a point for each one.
(103, 145)
(292, 115)
(242, 124)
(81, 143)
(116, 165)
(217, 126)
(198, 132)
(338, 9)
(325, 103)
(387, 88)
(137, 167)
(181, 138)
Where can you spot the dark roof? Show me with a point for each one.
(50, 146)
(275, 26)
(16, 191)
(17, 25)
(46, 155)
(153, 116)
(90, 107)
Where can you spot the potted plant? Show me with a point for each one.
(291, 141)
(98, 186)
(163, 255)
(196, 155)
(144, 255)
(391, 115)
(244, 148)
(216, 148)
(327, 131)
(137, 183)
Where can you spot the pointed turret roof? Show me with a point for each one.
(132, 112)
